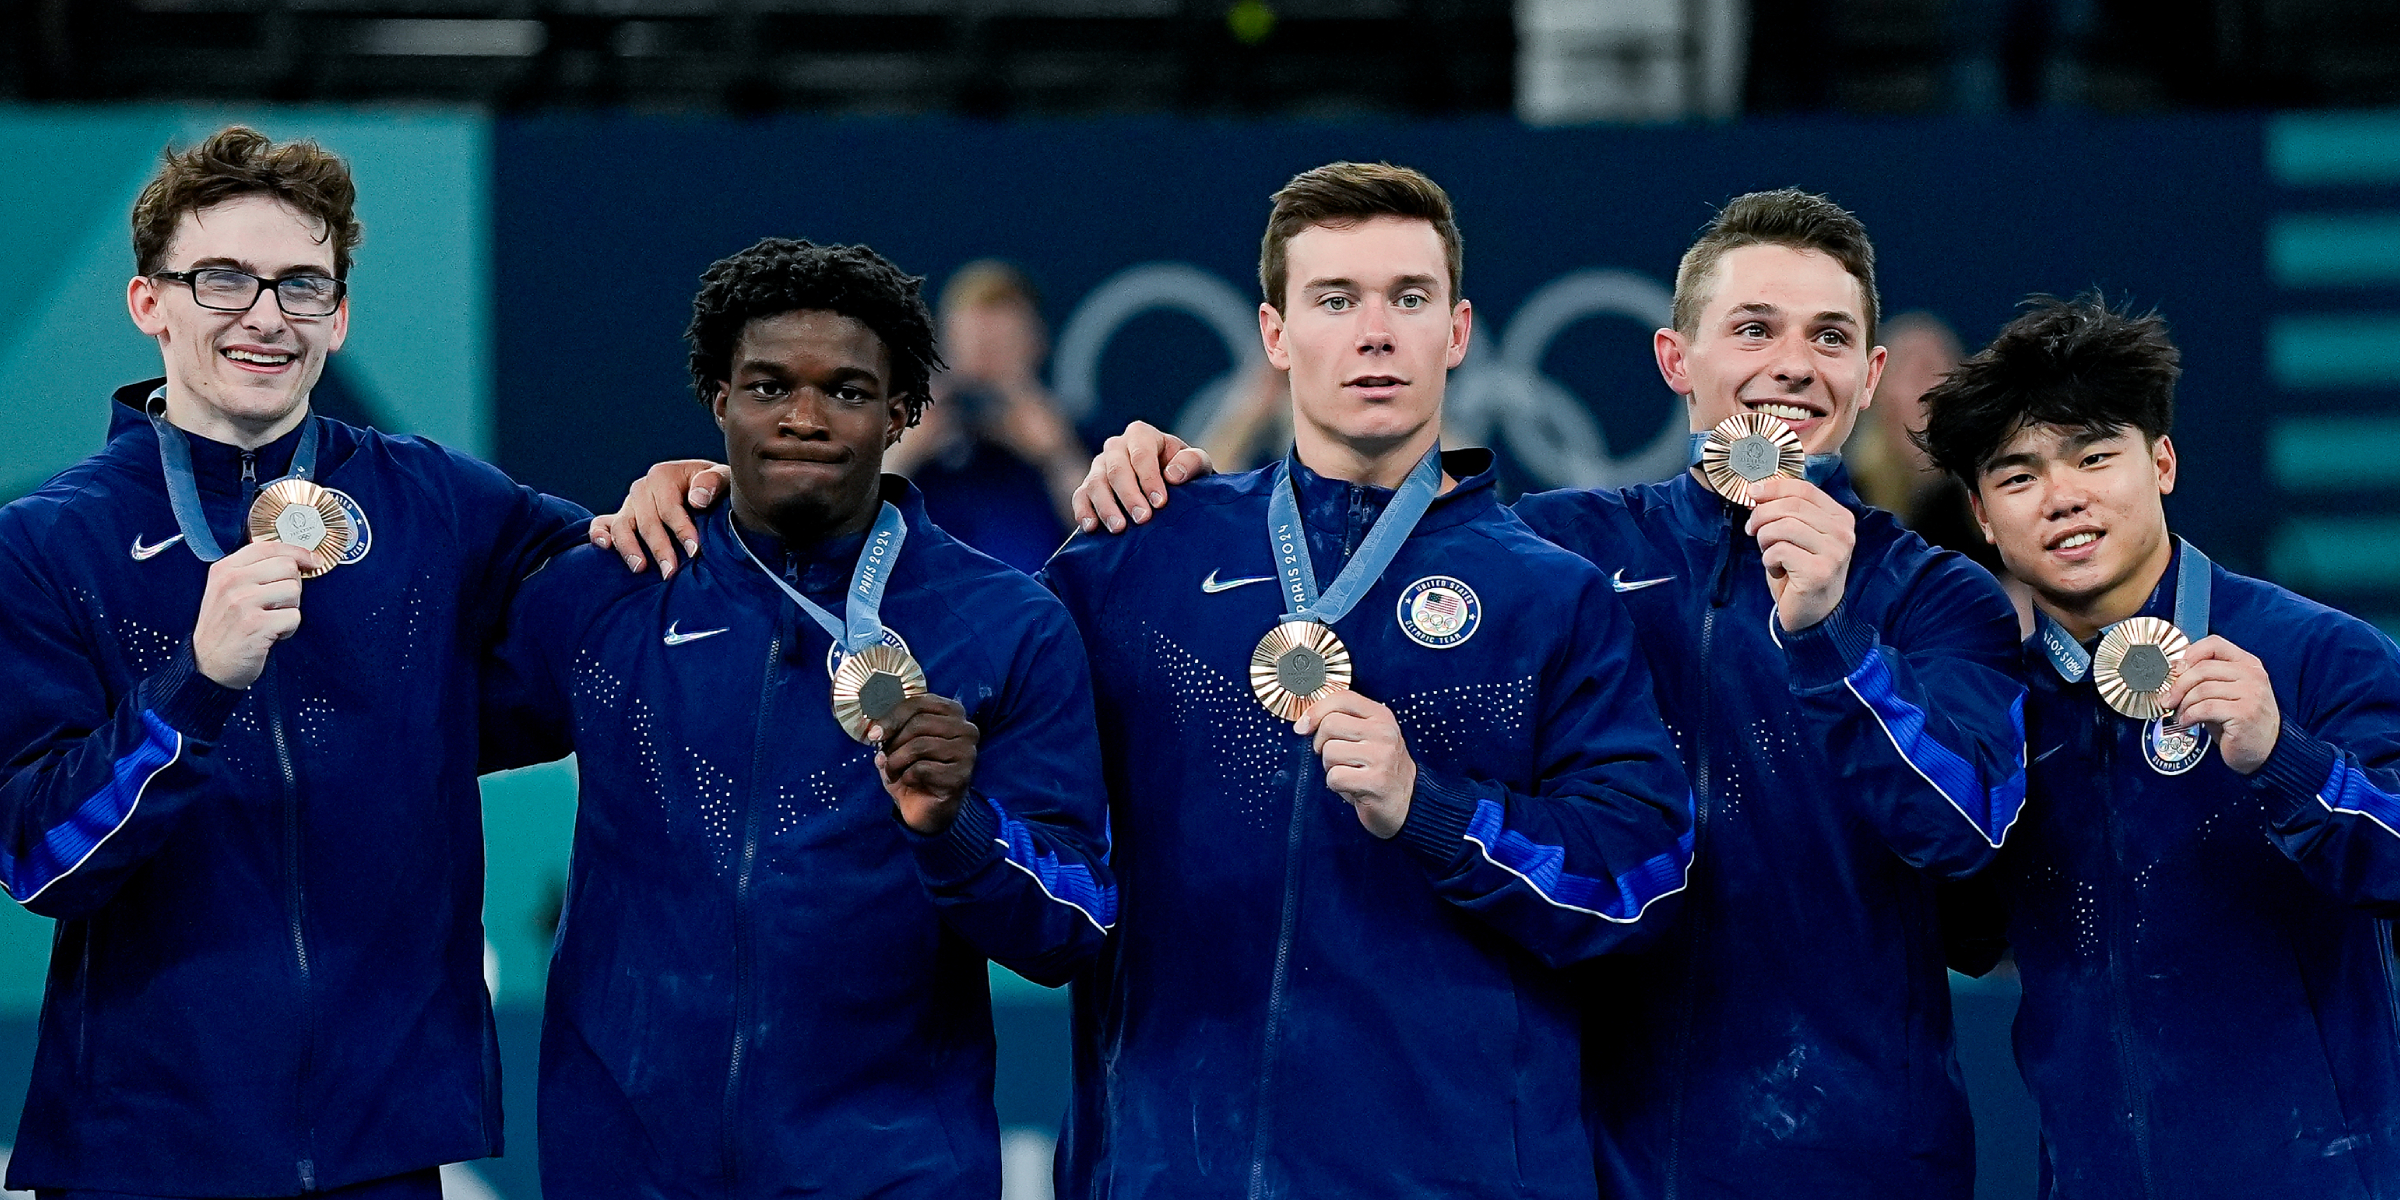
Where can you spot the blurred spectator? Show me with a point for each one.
(995, 458)
(1891, 472)
(1253, 426)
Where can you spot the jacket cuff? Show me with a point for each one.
(190, 702)
(1438, 814)
(968, 846)
(2294, 773)
(1824, 654)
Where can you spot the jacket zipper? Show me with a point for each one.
(1719, 595)
(741, 916)
(1262, 1131)
(295, 897)
(2137, 1116)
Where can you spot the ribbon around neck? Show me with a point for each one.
(1289, 540)
(861, 623)
(2073, 662)
(183, 488)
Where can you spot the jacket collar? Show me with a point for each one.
(216, 466)
(1328, 505)
(823, 566)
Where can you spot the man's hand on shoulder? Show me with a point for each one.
(1806, 539)
(2225, 687)
(1131, 475)
(658, 513)
(927, 759)
(252, 601)
(1366, 759)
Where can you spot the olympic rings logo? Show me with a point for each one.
(1496, 397)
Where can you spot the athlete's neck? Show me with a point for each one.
(195, 416)
(1379, 462)
(2084, 616)
(800, 525)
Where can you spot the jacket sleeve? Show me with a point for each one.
(1022, 873)
(1587, 861)
(1924, 721)
(524, 711)
(2331, 787)
(93, 783)
(508, 530)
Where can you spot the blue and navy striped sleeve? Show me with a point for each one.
(2332, 784)
(1022, 873)
(93, 783)
(1588, 856)
(1924, 719)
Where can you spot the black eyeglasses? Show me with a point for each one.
(223, 289)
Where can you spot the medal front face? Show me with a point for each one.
(1748, 448)
(1296, 663)
(2135, 662)
(305, 517)
(871, 683)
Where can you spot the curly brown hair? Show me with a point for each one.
(240, 161)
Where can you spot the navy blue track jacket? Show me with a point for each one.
(1292, 1007)
(1791, 1036)
(2212, 1006)
(764, 984)
(267, 975)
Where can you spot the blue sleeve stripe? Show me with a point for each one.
(66, 845)
(1069, 883)
(1544, 867)
(2347, 791)
(1992, 813)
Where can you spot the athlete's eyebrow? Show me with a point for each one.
(250, 268)
(1835, 316)
(1409, 281)
(1330, 285)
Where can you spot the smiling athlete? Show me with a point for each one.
(1846, 702)
(2201, 899)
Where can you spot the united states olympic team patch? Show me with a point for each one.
(1438, 612)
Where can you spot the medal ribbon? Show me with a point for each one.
(1819, 469)
(2191, 616)
(183, 488)
(861, 623)
(1289, 540)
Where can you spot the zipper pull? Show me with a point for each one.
(249, 476)
(1722, 593)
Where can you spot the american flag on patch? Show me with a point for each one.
(1440, 611)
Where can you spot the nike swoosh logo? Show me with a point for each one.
(1212, 587)
(676, 639)
(142, 553)
(1622, 584)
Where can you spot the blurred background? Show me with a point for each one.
(1083, 183)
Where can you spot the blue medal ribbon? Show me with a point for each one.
(2191, 617)
(1818, 471)
(183, 488)
(861, 623)
(1289, 539)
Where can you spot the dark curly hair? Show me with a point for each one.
(238, 161)
(2077, 364)
(781, 275)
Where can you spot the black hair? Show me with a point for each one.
(781, 275)
(2077, 364)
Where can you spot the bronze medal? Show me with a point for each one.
(2136, 660)
(1748, 448)
(306, 517)
(871, 683)
(1296, 663)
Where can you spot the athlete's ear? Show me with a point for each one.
(143, 302)
(716, 407)
(2162, 457)
(1462, 327)
(1877, 356)
(1270, 333)
(1982, 521)
(899, 421)
(1673, 351)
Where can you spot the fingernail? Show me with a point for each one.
(1174, 475)
(666, 571)
(632, 563)
(1158, 497)
(604, 543)
(690, 546)
(1116, 524)
(1140, 513)
(1090, 524)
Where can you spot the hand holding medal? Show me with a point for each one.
(927, 759)
(307, 518)
(2226, 689)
